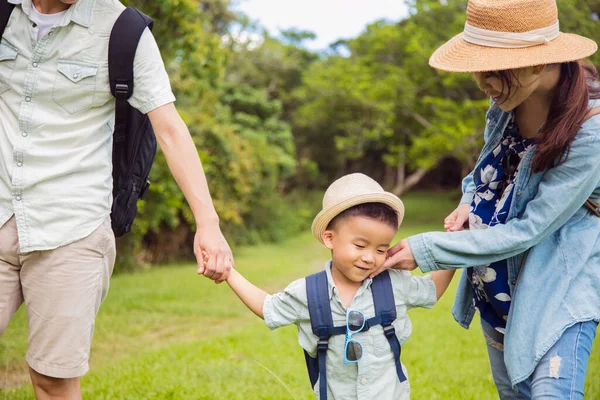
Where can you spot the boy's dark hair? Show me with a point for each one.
(377, 211)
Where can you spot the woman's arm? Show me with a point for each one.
(561, 192)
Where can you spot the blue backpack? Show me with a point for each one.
(322, 323)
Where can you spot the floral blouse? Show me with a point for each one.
(491, 202)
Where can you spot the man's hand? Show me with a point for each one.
(213, 254)
(456, 220)
(399, 257)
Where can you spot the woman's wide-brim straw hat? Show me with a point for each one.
(348, 191)
(507, 34)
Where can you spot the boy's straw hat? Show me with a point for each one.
(351, 190)
(507, 34)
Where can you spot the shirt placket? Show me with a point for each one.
(363, 367)
(24, 139)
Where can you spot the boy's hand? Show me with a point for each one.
(456, 220)
(205, 259)
(399, 257)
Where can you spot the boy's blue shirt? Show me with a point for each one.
(374, 376)
(550, 241)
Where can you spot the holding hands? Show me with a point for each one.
(213, 254)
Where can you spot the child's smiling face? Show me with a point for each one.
(359, 247)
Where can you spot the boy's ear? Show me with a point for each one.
(327, 237)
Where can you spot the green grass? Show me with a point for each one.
(168, 334)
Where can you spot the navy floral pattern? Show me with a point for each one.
(490, 206)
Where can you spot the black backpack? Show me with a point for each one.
(321, 321)
(134, 143)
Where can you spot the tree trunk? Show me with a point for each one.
(406, 183)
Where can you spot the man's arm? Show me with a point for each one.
(182, 158)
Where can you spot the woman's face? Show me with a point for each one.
(523, 82)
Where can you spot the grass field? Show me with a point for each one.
(167, 334)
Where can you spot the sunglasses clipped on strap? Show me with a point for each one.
(355, 322)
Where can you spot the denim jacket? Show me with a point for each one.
(551, 244)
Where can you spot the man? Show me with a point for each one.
(57, 249)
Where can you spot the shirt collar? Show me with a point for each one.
(80, 12)
(366, 284)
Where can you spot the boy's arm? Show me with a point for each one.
(252, 296)
(442, 280)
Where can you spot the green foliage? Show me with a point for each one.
(269, 116)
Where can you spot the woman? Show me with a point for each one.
(534, 273)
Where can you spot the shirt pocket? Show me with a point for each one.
(75, 86)
(8, 59)
(381, 346)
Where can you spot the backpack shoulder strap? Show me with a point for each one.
(383, 298)
(321, 321)
(122, 45)
(385, 313)
(124, 39)
(5, 11)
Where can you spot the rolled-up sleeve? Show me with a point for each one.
(287, 307)
(421, 292)
(151, 88)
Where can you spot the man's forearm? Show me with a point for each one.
(252, 296)
(182, 158)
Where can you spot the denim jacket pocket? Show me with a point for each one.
(74, 86)
(8, 59)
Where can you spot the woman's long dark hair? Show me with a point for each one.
(578, 84)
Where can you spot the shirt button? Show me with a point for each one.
(75, 76)
(28, 99)
(50, 33)
(518, 192)
(19, 164)
(35, 65)
(363, 382)
(18, 198)
(514, 282)
(24, 134)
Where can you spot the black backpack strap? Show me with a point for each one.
(5, 11)
(385, 311)
(317, 293)
(124, 39)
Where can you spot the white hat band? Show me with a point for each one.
(510, 40)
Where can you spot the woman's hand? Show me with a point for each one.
(399, 257)
(456, 220)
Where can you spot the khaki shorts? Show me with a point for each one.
(62, 290)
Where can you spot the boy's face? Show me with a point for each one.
(359, 246)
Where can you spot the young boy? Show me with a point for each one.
(358, 222)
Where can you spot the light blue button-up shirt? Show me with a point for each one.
(57, 119)
(550, 243)
(374, 377)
